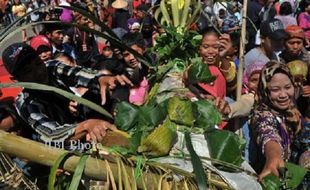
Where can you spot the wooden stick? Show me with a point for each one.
(241, 58)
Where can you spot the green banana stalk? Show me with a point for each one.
(165, 13)
(185, 12)
(197, 8)
(175, 12)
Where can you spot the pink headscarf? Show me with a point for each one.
(254, 66)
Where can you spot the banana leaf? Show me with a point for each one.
(180, 111)
(172, 45)
(196, 162)
(160, 140)
(206, 114)
(271, 182)
(126, 116)
(152, 115)
(295, 175)
(199, 72)
(134, 141)
(76, 178)
(59, 91)
(225, 146)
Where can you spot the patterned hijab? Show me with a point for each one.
(269, 70)
(263, 99)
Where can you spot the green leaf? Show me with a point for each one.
(139, 166)
(271, 182)
(126, 177)
(225, 146)
(64, 93)
(180, 111)
(206, 114)
(126, 116)
(199, 72)
(295, 175)
(160, 140)
(201, 177)
(78, 173)
(152, 115)
(52, 176)
(151, 99)
(135, 140)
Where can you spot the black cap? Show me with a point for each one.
(15, 55)
(273, 29)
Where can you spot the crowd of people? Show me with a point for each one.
(274, 104)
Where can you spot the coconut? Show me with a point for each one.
(299, 70)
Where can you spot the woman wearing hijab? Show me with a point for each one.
(275, 120)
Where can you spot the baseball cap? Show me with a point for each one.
(273, 29)
(38, 41)
(218, 87)
(295, 31)
(14, 56)
(135, 25)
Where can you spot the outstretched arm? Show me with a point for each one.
(274, 161)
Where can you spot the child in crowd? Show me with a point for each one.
(42, 47)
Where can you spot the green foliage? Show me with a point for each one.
(173, 44)
(225, 146)
(206, 114)
(291, 177)
(139, 166)
(76, 179)
(36, 86)
(64, 180)
(271, 182)
(126, 116)
(139, 120)
(180, 111)
(295, 175)
(201, 177)
(199, 72)
(160, 140)
(152, 115)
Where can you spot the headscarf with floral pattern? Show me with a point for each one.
(291, 115)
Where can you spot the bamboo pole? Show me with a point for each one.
(46, 155)
(241, 50)
(241, 58)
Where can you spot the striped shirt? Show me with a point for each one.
(35, 107)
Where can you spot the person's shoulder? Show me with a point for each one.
(263, 115)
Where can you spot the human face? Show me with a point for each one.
(294, 46)
(270, 46)
(3, 4)
(130, 59)
(139, 14)
(281, 91)
(209, 49)
(107, 52)
(57, 37)
(46, 55)
(253, 81)
(84, 20)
